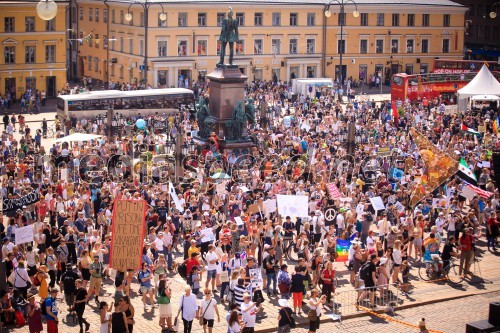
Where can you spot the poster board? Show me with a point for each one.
(128, 234)
(256, 208)
(238, 220)
(293, 205)
(440, 203)
(269, 206)
(256, 278)
(175, 198)
(24, 235)
(377, 203)
(207, 235)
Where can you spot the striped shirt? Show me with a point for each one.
(238, 294)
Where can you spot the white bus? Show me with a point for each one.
(128, 103)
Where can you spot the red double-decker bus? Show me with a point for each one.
(451, 66)
(418, 86)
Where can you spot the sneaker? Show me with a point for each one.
(87, 327)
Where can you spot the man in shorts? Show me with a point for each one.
(367, 273)
(211, 258)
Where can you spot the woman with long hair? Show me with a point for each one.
(129, 311)
(234, 322)
(84, 267)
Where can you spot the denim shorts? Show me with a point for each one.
(211, 274)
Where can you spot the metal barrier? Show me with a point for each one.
(346, 303)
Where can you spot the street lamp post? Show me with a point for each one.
(493, 13)
(46, 9)
(342, 19)
(128, 17)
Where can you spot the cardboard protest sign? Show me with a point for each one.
(256, 278)
(18, 203)
(293, 205)
(377, 203)
(207, 235)
(24, 235)
(128, 234)
(256, 208)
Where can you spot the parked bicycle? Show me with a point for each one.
(449, 272)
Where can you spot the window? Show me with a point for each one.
(141, 19)
(276, 46)
(30, 52)
(96, 64)
(91, 14)
(379, 46)
(257, 19)
(311, 45)
(141, 47)
(495, 33)
(311, 19)
(294, 42)
(257, 46)
(220, 17)
(202, 47)
(182, 20)
(395, 20)
(162, 48)
(131, 46)
(97, 14)
(182, 48)
(341, 19)
(29, 23)
(105, 41)
(122, 44)
(395, 46)
(160, 22)
(105, 15)
(363, 46)
(486, 32)
(97, 40)
(446, 20)
(81, 13)
(113, 43)
(424, 68)
(364, 19)
(202, 19)
(380, 19)
(112, 71)
(446, 45)
(9, 54)
(50, 25)
(239, 48)
(410, 45)
(219, 45)
(90, 40)
(341, 46)
(121, 72)
(479, 32)
(293, 19)
(240, 17)
(409, 69)
(122, 16)
(311, 71)
(276, 19)
(425, 20)
(90, 63)
(411, 20)
(9, 24)
(113, 16)
(425, 46)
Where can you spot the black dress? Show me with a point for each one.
(117, 322)
(128, 313)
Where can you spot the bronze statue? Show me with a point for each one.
(250, 111)
(239, 121)
(202, 115)
(228, 34)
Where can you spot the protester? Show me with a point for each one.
(208, 310)
(188, 309)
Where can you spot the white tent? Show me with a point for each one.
(78, 137)
(484, 98)
(484, 83)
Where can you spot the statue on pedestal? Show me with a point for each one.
(228, 34)
(239, 121)
(250, 111)
(202, 115)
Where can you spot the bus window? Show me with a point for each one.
(153, 102)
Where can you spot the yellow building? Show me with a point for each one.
(34, 50)
(283, 39)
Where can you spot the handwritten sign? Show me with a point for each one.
(238, 220)
(377, 203)
(255, 208)
(293, 205)
(128, 234)
(256, 278)
(18, 203)
(24, 235)
(207, 235)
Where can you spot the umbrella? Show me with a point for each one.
(220, 175)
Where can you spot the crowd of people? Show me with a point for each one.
(72, 220)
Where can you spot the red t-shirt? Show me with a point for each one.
(327, 275)
(190, 263)
(466, 243)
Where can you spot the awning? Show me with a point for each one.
(485, 98)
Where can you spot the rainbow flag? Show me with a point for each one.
(342, 250)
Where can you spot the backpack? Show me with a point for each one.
(364, 273)
(36, 280)
(182, 270)
(314, 265)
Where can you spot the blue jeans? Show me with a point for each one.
(168, 256)
(271, 276)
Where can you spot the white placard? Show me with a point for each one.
(287, 121)
(269, 206)
(238, 220)
(486, 164)
(293, 205)
(306, 127)
(174, 196)
(207, 235)
(221, 187)
(345, 199)
(24, 235)
(377, 203)
(468, 193)
(256, 278)
(64, 174)
(391, 199)
(244, 189)
(400, 207)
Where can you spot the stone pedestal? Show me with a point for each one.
(226, 89)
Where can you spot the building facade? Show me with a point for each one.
(34, 50)
(482, 34)
(281, 39)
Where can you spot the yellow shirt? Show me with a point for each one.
(43, 290)
(192, 249)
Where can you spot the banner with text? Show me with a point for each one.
(128, 234)
(18, 203)
(293, 205)
(24, 235)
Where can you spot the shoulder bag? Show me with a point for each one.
(203, 315)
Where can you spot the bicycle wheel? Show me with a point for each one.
(423, 273)
(290, 253)
(453, 274)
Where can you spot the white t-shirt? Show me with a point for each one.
(159, 244)
(209, 257)
(340, 221)
(370, 242)
(210, 309)
(249, 316)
